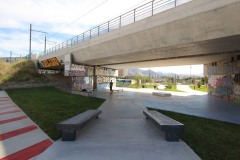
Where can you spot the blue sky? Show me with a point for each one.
(61, 19)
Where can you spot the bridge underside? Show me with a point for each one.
(188, 54)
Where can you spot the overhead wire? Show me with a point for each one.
(83, 15)
(76, 19)
(89, 11)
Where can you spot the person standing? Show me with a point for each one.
(110, 85)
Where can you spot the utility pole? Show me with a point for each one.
(30, 42)
(10, 56)
(45, 44)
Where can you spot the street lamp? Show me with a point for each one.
(30, 41)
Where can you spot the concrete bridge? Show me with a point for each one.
(196, 32)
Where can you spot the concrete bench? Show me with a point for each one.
(70, 125)
(117, 90)
(171, 127)
(161, 94)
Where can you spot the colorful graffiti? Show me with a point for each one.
(103, 79)
(226, 87)
(76, 73)
(75, 70)
(80, 83)
(221, 86)
(51, 62)
(75, 67)
(105, 71)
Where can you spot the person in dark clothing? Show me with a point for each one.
(110, 85)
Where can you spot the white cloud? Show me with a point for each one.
(57, 17)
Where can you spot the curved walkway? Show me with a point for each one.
(121, 133)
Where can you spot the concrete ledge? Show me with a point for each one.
(82, 93)
(162, 94)
(117, 90)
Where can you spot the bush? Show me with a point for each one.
(199, 84)
(168, 86)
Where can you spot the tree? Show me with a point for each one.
(205, 79)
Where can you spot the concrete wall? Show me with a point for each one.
(224, 78)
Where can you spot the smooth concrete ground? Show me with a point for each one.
(195, 103)
(120, 133)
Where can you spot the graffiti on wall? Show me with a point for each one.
(79, 71)
(221, 86)
(51, 62)
(226, 87)
(45, 71)
(105, 72)
(80, 83)
(101, 79)
(75, 70)
(75, 67)
(236, 88)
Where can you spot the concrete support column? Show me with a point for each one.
(94, 78)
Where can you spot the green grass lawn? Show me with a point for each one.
(210, 139)
(173, 89)
(47, 106)
(202, 88)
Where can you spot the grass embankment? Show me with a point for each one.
(47, 106)
(202, 88)
(21, 71)
(210, 139)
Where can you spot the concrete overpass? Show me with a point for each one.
(196, 32)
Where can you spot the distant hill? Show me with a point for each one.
(136, 71)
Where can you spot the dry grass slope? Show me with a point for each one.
(21, 71)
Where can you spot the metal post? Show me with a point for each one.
(10, 56)
(30, 39)
(175, 3)
(98, 30)
(108, 26)
(152, 7)
(120, 21)
(45, 45)
(134, 14)
(90, 32)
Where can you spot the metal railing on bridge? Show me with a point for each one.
(149, 9)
